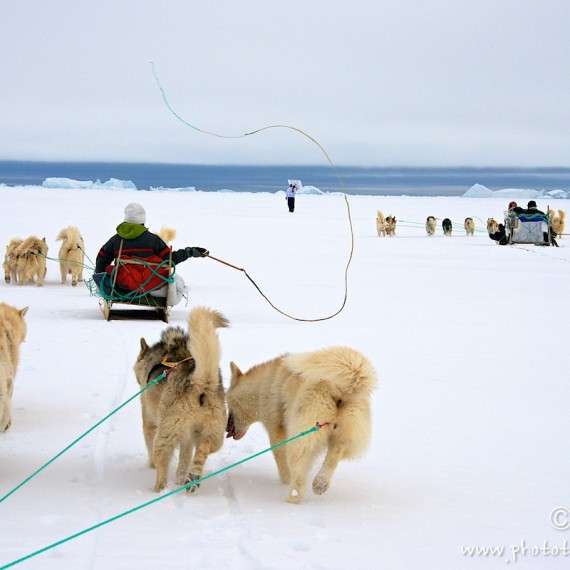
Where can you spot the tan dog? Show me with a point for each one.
(330, 387)
(430, 225)
(31, 260)
(391, 225)
(12, 334)
(469, 226)
(381, 225)
(71, 255)
(557, 223)
(10, 260)
(492, 226)
(185, 411)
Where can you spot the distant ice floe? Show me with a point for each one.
(480, 191)
(74, 184)
(306, 190)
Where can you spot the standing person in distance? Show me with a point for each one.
(290, 196)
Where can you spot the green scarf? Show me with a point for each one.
(127, 230)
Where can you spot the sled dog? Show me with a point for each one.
(12, 334)
(330, 387)
(381, 225)
(558, 222)
(492, 226)
(447, 227)
(391, 225)
(10, 259)
(71, 255)
(469, 226)
(430, 226)
(31, 260)
(185, 410)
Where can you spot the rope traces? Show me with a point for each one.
(256, 131)
(316, 427)
(77, 440)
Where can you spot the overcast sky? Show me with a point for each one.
(376, 83)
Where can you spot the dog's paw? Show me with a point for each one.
(159, 487)
(191, 478)
(294, 497)
(320, 485)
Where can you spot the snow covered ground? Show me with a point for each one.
(469, 340)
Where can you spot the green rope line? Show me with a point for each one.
(160, 498)
(413, 224)
(37, 471)
(133, 295)
(59, 260)
(92, 268)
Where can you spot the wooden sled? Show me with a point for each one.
(141, 306)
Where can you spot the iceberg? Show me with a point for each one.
(480, 191)
(113, 183)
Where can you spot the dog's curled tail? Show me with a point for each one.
(347, 369)
(167, 235)
(562, 215)
(70, 233)
(204, 344)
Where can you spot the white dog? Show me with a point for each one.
(71, 255)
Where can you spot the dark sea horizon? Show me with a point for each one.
(378, 181)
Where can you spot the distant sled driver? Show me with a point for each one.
(134, 240)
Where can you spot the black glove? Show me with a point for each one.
(197, 251)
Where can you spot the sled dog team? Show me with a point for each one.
(386, 226)
(187, 409)
(25, 259)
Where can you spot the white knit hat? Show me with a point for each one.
(135, 214)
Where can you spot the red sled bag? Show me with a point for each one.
(140, 276)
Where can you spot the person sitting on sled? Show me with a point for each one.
(134, 240)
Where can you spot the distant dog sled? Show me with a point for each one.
(528, 228)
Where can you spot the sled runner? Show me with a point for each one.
(528, 228)
(133, 282)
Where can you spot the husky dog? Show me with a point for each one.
(330, 388)
(430, 226)
(71, 255)
(469, 226)
(10, 259)
(447, 227)
(31, 260)
(381, 225)
(557, 223)
(12, 334)
(186, 410)
(391, 225)
(492, 226)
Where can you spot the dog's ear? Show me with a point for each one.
(144, 345)
(23, 311)
(236, 372)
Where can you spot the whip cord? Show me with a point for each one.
(321, 148)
